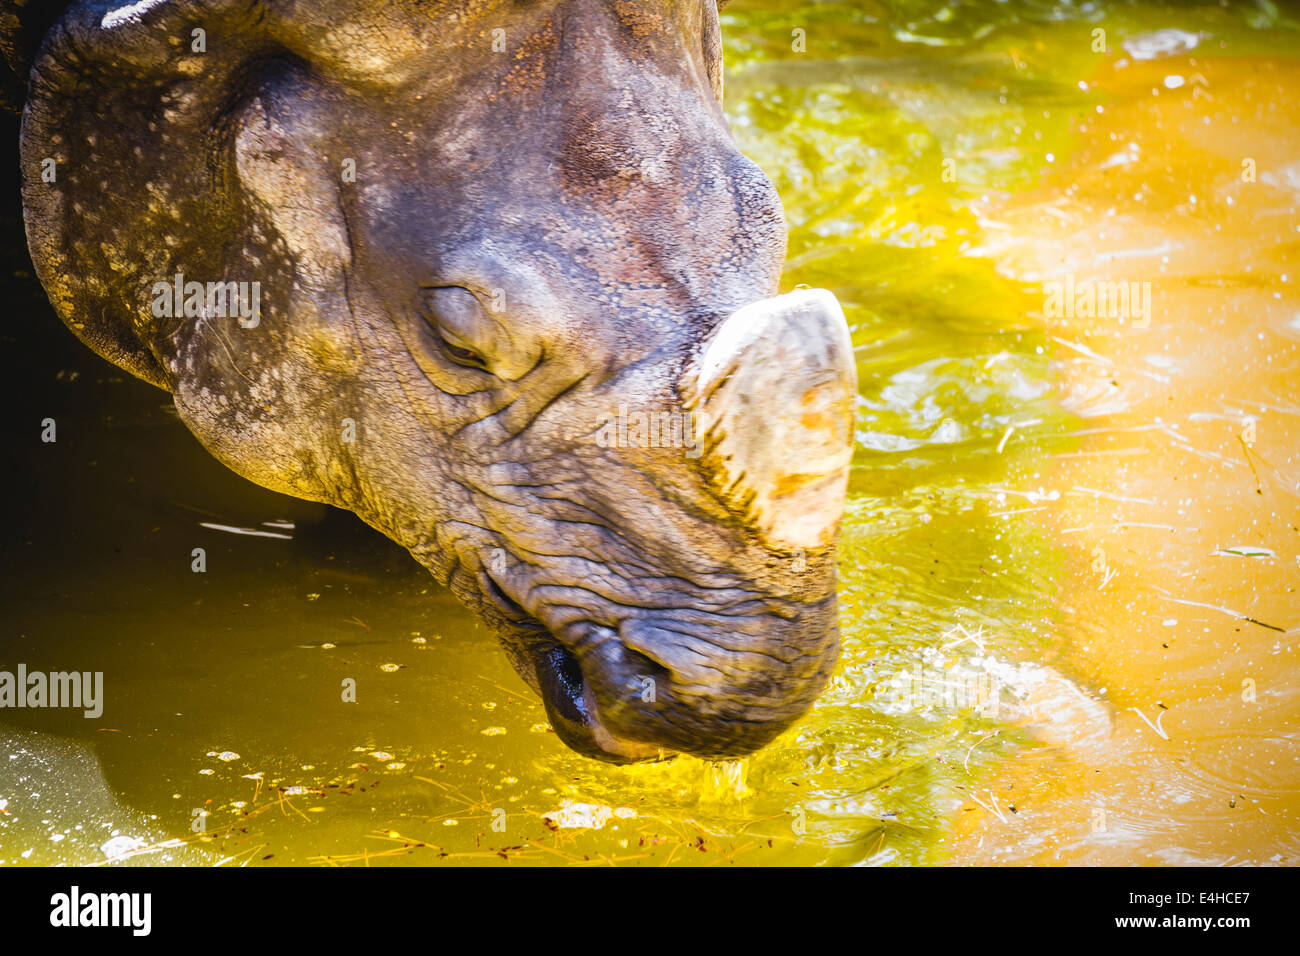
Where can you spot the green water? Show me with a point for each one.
(223, 688)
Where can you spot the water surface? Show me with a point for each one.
(1091, 520)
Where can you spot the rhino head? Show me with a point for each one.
(494, 276)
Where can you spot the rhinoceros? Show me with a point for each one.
(494, 276)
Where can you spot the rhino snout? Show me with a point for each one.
(654, 688)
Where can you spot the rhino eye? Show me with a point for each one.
(463, 356)
(452, 313)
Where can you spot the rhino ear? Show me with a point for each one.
(127, 167)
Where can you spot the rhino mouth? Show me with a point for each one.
(567, 694)
(574, 714)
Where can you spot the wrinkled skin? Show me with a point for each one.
(534, 236)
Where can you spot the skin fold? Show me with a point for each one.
(478, 229)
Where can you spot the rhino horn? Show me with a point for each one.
(773, 395)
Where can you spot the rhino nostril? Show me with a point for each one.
(494, 591)
(643, 666)
(648, 676)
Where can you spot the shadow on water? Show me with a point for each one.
(1057, 530)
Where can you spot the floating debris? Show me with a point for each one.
(1156, 726)
(120, 846)
(1161, 43)
(590, 816)
(254, 532)
(1247, 551)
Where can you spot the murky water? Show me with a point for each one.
(1069, 565)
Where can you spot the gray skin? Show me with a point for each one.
(535, 236)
